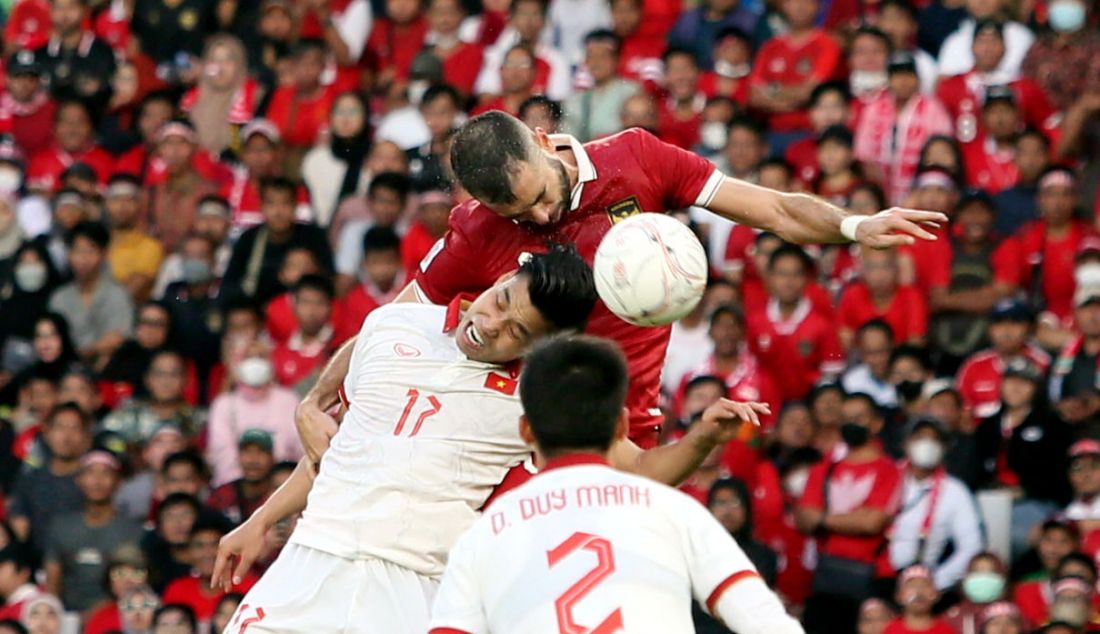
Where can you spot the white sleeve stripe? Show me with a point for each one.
(420, 296)
(710, 188)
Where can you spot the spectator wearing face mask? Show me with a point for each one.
(849, 505)
(981, 587)
(255, 402)
(938, 514)
(1065, 59)
(917, 595)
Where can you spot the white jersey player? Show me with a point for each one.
(431, 428)
(585, 548)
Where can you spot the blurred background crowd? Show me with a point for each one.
(201, 199)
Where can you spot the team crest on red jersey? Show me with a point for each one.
(624, 209)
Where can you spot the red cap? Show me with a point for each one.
(1086, 447)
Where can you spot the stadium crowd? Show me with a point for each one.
(200, 200)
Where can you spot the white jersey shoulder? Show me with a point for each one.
(587, 548)
(427, 435)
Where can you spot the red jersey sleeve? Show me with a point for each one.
(1009, 266)
(885, 494)
(827, 58)
(813, 497)
(454, 265)
(683, 178)
(758, 76)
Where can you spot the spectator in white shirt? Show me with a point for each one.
(937, 511)
(957, 56)
(526, 21)
(1084, 477)
(875, 343)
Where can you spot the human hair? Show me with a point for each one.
(605, 36)
(68, 406)
(873, 190)
(216, 199)
(727, 310)
(787, 250)
(704, 379)
(868, 400)
(379, 239)
(909, 351)
(904, 5)
(314, 282)
(573, 390)
(205, 525)
(178, 499)
(61, 326)
(1030, 132)
(91, 231)
(875, 33)
(393, 181)
(750, 124)
(827, 87)
(76, 103)
(307, 44)
(561, 287)
(487, 152)
(124, 177)
(958, 170)
(188, 457)
(678, 51)
(534, 101)
(242, 304)
(436, 91)
(185, 610)
(278, 184)
(1075, 558)
(878, 324)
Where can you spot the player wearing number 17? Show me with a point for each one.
(584, 548)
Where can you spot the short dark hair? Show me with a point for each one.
(787, 250)
(487, 151)
(605, 35)
(750, 124)
(674, 51)
(904, 5)
(866, 398)
(705, 379)
(878, 324)
(544, 5)
(909, 351)
(307, 44)
(727, 310)
(1033, 133)
(214, 198)
(276, 184)
(286, 465)
(561, 286)
(125, 177)
(876, 33)
(827, 87)
(69, 406)
(435, 91)
(554, 107)
(14, 625)
(76, 103)
(378, 239)
(241, 303)
(188, 457)
(573, 390)
(178, 499)
(393, 181)
(204, 525)
(185, 610)
(1076, 558)
(314, 282)
(91, 231)
(777, 162)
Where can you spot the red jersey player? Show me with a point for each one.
(533, 188)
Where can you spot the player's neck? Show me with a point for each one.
(570, 161)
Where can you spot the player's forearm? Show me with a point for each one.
(669, 464)
(326, 391)
(290, 498)
(798, 218)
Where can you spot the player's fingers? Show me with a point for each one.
(885, 241)
(221, 564)
(917, 215)
(763, 408)
(244, 563)
(912, 228)
(746, 413)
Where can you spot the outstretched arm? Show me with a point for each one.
(245, 544)
(806, 219)
(672, 464)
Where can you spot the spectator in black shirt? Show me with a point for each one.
(77, 64)
(172, 33)
(254, 266)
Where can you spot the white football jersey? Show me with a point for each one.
(427, 436)
(585, 548)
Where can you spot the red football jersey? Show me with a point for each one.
(875, 484)
(898, 626)
(963, 95)
(802, 155)
(460, 69)
(979, 378)
(988, 167)
(796, 351)
(46, 167)
(906, 313)
(1032, 247)
(625, 174)
(785, 62)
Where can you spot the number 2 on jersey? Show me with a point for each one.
(432, 410)
(605, 565)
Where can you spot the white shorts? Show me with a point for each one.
(313, 592)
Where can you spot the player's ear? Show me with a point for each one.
(525, 432)
(543, 140)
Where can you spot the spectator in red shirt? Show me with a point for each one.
(917, 595)
(839, 174)
(640, 58)
(979, 379)
(395, 40)
(281, 321)
(732, 65)
(74, 141)
(298, 360)
(1043, 252)
(155, 110)
(681, 109)
(461, 60)
(991, 157)
(964, 94)
(878, 295)
(195, 591)
(828, 108)
(432, 213)
(260, 159)
(301, 110)
(517, 82)
(238, 499)
(867, 60)
(1039, 599)
(849, 505)
(794, 341)
(382, 277)
(787, 69)
(26, 109)
(27, 27)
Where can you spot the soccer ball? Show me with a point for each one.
(650, 269)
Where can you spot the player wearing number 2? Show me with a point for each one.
(431, 428)
(584, 548)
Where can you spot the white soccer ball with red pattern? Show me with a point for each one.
(650, 269)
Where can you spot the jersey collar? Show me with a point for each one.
(574, 460)
(454, 311)
(587, 171)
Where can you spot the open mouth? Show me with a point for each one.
(474, 336)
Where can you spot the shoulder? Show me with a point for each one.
(978, 358)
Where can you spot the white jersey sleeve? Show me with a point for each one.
(458, 607)
(726, 582)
